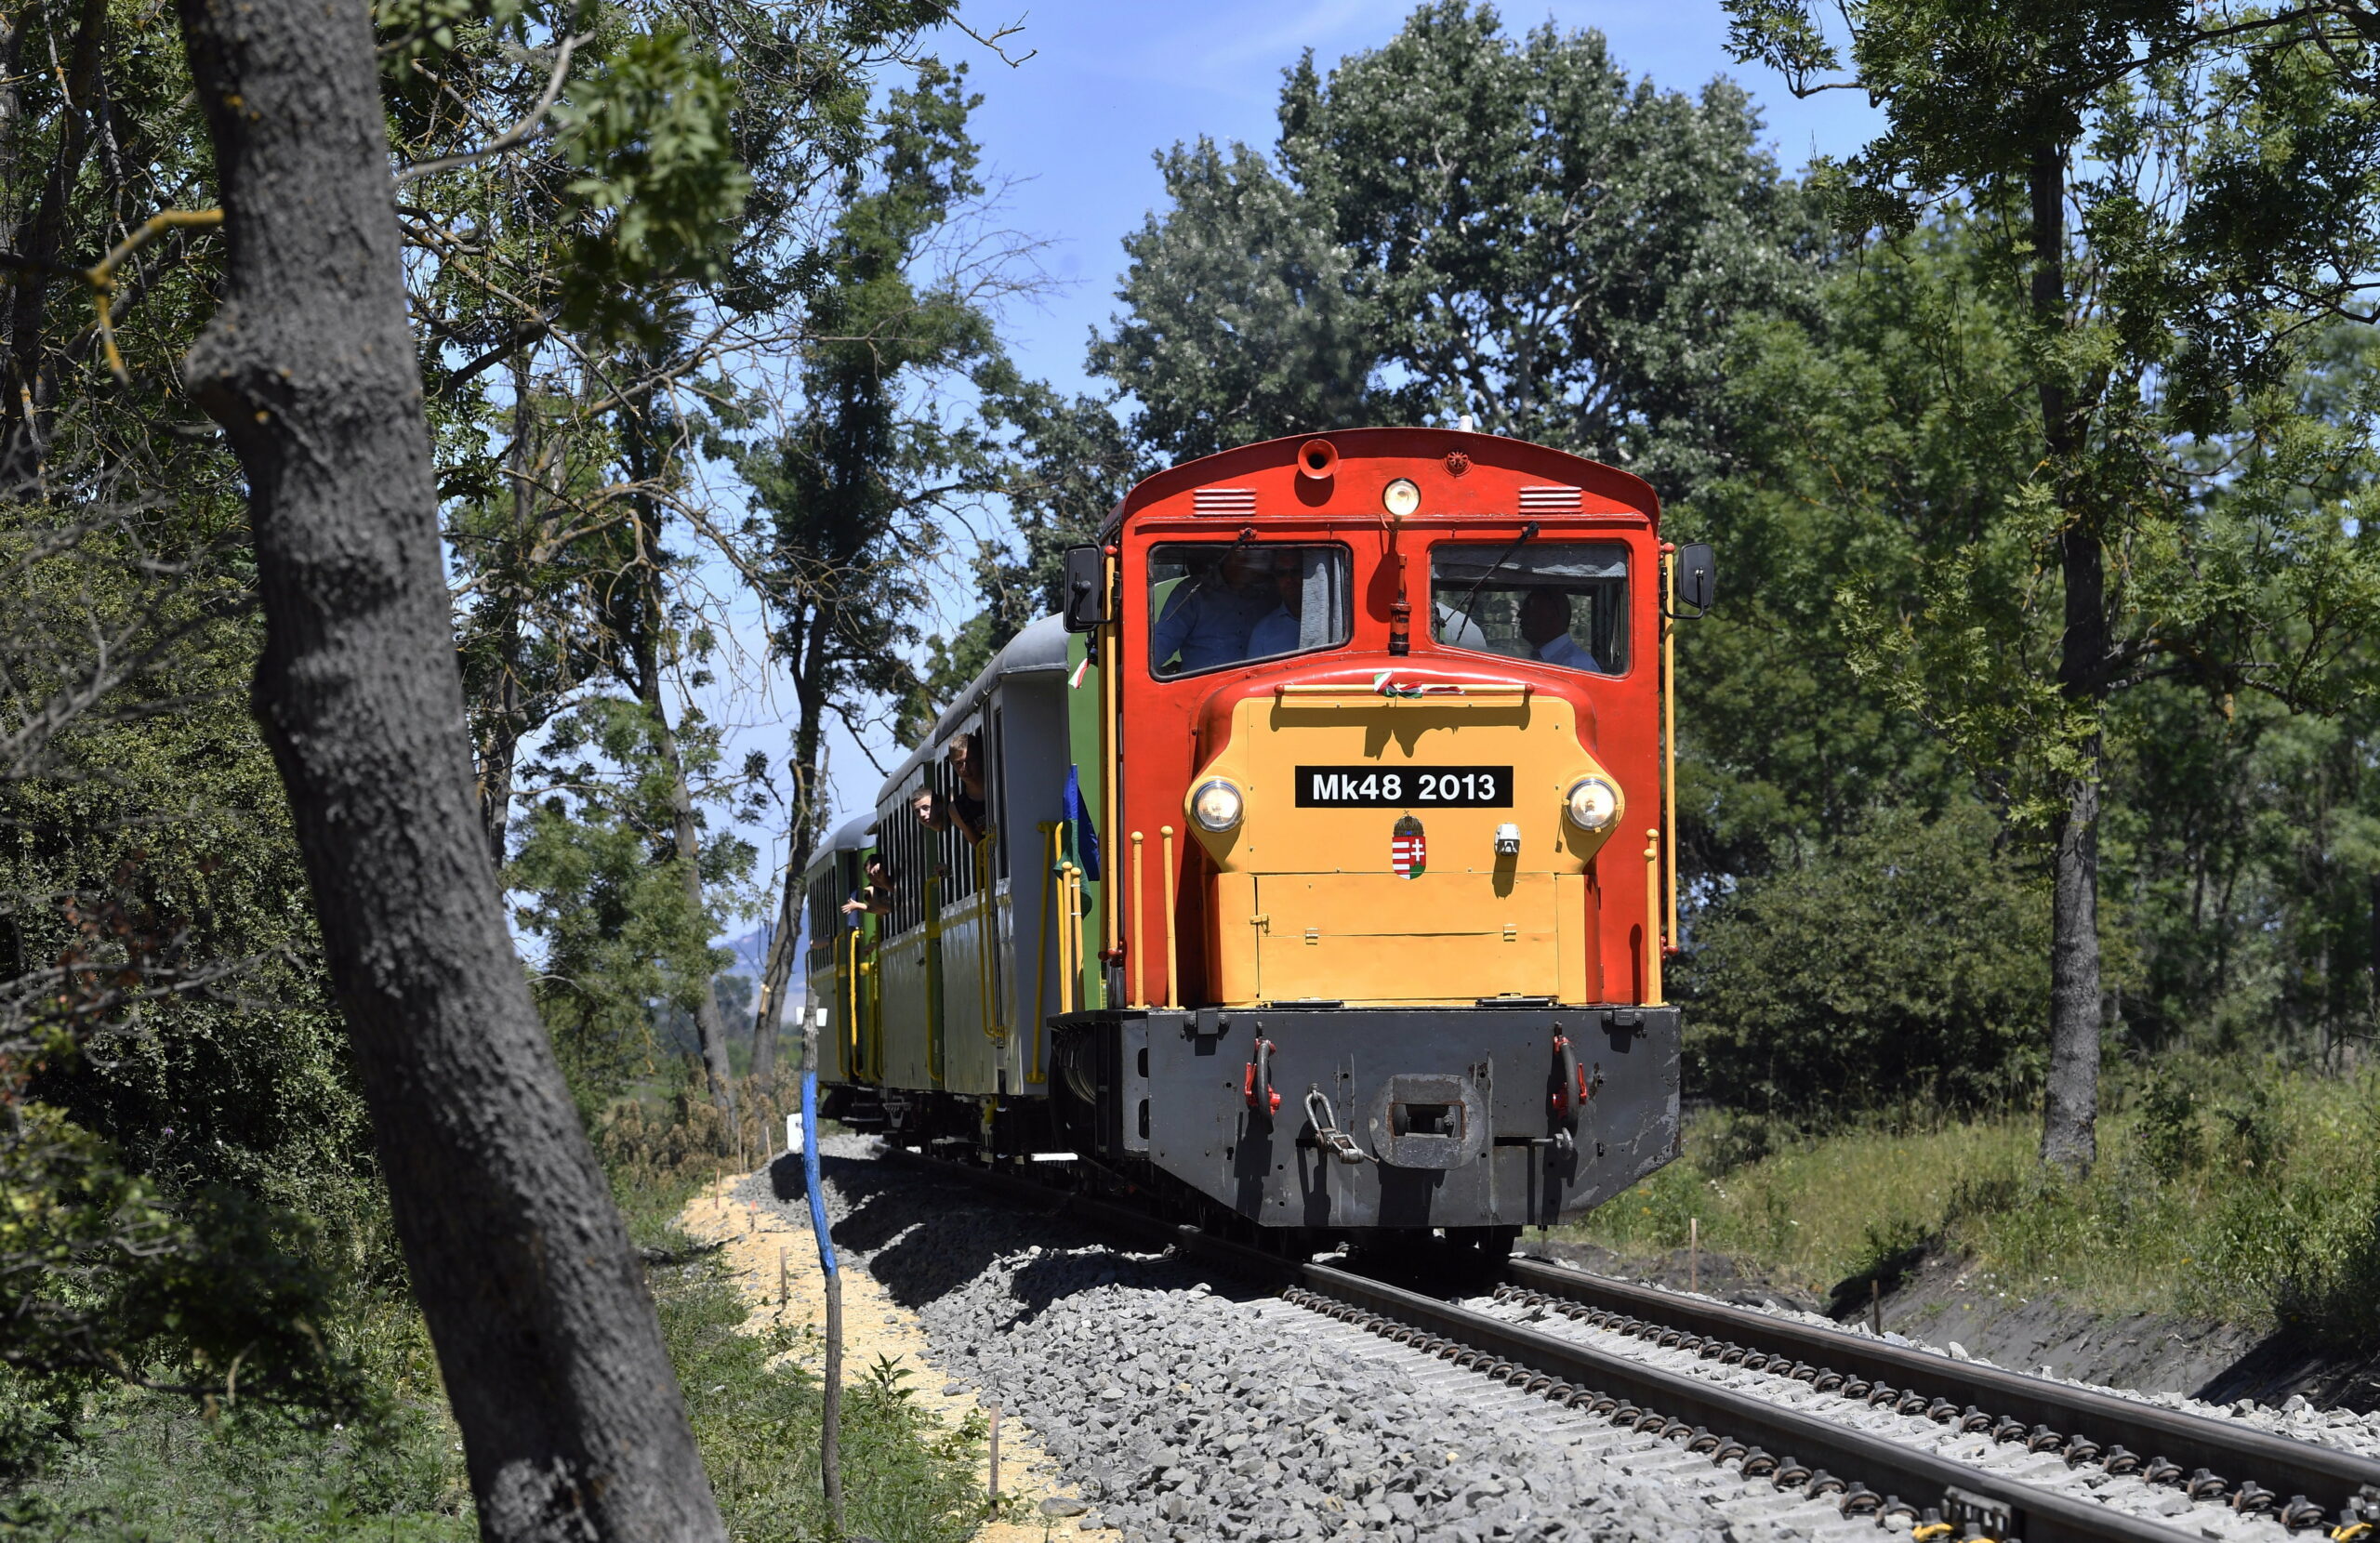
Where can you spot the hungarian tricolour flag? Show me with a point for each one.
(1407, 852)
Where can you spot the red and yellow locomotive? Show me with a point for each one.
(1354, 862)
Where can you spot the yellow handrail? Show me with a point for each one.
(1140, 927)
(1669, 731)
(986, 992)
(1110, 752)
(1044, 942)
(1172, 959)
(1653, 918)
(850, 1017)
(937, 1003)
(1069, 937)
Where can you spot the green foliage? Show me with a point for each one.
(648, 133)
(599, 884)
(1246, 319)
(1900, 965)
(1548, 244)
(142, 1468)
(904, 1478)
(1462, 222)
(2279, 1232)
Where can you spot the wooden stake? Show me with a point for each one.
(830, 1441)
(996, 1458)
(1694, 1253)
(785, 1280)
(1876, 1308)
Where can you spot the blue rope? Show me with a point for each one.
(810, 1170)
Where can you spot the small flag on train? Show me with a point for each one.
(1407, 852)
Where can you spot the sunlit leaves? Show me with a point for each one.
(657, 179)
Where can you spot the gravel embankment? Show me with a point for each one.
(1188, 1406)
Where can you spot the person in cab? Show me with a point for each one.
(1545, 626)
(1207, 620)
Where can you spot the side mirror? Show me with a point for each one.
(1085, 601)
(1698, 577)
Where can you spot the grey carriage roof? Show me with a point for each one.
(1040, 649)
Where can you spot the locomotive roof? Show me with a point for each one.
(1040, 649)
(1487, 450)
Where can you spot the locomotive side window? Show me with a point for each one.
(1563, 603)
(1213, 604)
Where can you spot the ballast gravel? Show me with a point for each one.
(1187, 1407)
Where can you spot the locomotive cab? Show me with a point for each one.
(1378, 748)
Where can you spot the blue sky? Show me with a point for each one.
(1070, 131)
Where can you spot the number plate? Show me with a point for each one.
(1404, 787)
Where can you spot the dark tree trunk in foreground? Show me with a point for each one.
(570, 1413)
(2071, 1102)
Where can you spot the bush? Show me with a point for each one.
(1904, 967)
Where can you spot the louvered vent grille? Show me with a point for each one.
(1223, 501)
(1549, 500)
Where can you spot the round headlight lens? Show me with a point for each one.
(1216, 805)
(1401, 498)
(1593, 803)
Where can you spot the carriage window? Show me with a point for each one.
(1563, 603)
(1212, 603)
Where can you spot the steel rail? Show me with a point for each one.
(2330, 1478)
(2035, 1514)
(2003, 1507)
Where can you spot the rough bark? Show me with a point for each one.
(29, 382)
(808, 738)
(2071, 1105)
(710, 1024)
(571, 1416)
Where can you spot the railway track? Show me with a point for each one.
(1979, 1453)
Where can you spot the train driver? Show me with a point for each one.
(1277, 631)
(1207, 620)
(1545, 626)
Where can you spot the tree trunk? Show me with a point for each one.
(808, 737)
(29, 382)
(710, 1024)
(507, 714)
(571, 1421)
(2070, 1112)
(2071, 1105)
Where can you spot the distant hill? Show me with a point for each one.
(752, 956)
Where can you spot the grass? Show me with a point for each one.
(145, 1467)
(2245, 1192)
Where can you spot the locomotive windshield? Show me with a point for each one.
(1214, 603)
(1563, 603)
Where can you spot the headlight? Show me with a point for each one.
(1593, 803)
(1401, 498)
(1216, 805)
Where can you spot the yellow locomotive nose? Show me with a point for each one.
(1432, 849)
